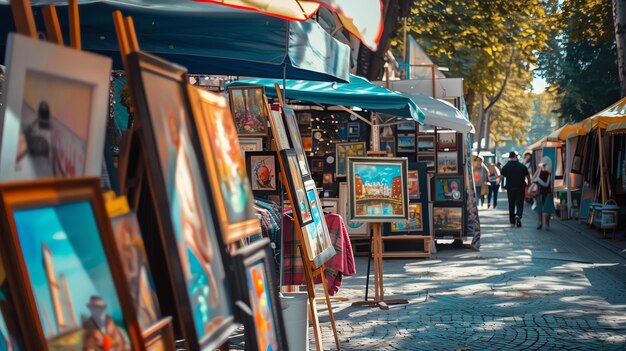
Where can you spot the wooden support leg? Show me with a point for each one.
(23, 18)
(310, 285)
(330, 311)
(51, 21)
(75, 40)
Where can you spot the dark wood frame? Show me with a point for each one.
(405, 151)
(265, 107)
(290, 175)
(244, 258)
(450, 147)
(337, 158)
(162, 331)
(424, 137)
(449, 233)
(290, 122)
(248, 156)
(49, 192)
(456, 155)
(437, 177)
(138, 61)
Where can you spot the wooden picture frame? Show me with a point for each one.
(193, 249)
(316, 237)
(415, 223)
(47, 221)
(160, 336)
(446, 141)
(295, 187)
(330, 205)
(345, 150)
(279, 132)
(448, 162)
(296, 141)
(226, 167)
(448, 188)
(378, 189)
(250, 144)
(257, 290)
(354, 130)
(425, 144)
(406, 143)
(443, 226)
(55, 113)
(250, 110)
(263, 171)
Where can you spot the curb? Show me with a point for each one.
(593, 238)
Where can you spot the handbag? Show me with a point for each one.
(484, 189)
(533, 190)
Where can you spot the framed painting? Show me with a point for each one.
(429, 160)
(446, 141)
(160, 337)
(389, 146)
(249, 108)
(263, 321)
(65, 266)
(296, 141)
(317, 242)
(448, 188)
(178, 182)
(279, 132)
(307, 144)
(10, 332)
(135, 264)
(345, 150)
(426, 143)
(327, 179)
(295, 187)
(262, 169)
(406, 126)
(354, 130)
(414, 184)
(447, 162)
(330, 205)
(250, 144)
(304, 123)
(378, 189)
(415, 222)
(55, 113)
(406, 143)
(317, 164)
(447, 221)
(356, 229)
(231, 191)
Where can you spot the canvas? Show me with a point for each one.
(55, 113)
(426, 143)
(406, 143)
(317, 240)
(447, 162)
(297, 142)
(448, 188)
(354, 228)
(415, 222)
(378, 189)
(135, 263)
(448, 220)
(446, 141)
(249, 108)
(230, 187)
(414, 185)
(279, 133)
(345, 150)
(296, 187)
(263, 172)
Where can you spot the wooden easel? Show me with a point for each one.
(309, 271)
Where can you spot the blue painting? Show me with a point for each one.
(317, 238)
(70, 278)
(261, 304)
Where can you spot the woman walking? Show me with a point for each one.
(480, 180)
(494, 185)
(544, 200)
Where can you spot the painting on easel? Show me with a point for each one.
(317, 240)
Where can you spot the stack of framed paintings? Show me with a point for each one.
(418, 222)
(426, 151)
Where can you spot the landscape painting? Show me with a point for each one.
(249, 110)
(448, 220)
(345, 150)
(414, 224)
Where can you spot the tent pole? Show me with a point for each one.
(601, 149)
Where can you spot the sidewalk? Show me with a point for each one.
(617, 245)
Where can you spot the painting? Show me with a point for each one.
(135, 264)
(389, 146)
(378, 189)
(182, 202)
(448, 220)
(71, 285)
(345, 150)
(226, 167)
(304, 123)
(307, 144)
(262, 169)
(250, 144)
(446, 141)
(415, 222)
(317, 243)
(406, 143)
(327, 179)
(447, 162)
(414, 185)
(356, 229)
(317, 164)
(406, 126)
(429, 160)
(297, 142)
(279, 133)
(354, 130)
(330, 205)
(448, 188)
(264, 326)
(56, 111)
(426, 143)
(249, 108)
(160, 337)
(296, 187)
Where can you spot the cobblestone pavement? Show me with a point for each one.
(525, 290)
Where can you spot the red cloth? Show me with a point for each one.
(342, 264)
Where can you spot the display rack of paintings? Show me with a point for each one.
(56, 111)
(447, 162)
(256, 284)
(46, 227)
(345, 150)
(262, 167)
(249, 109)
(193, 249)
(447, 221)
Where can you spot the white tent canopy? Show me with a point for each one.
(442, 114)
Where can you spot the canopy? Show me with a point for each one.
(562, 133)
(537, 145)
(441, 114)
(617, 128)
(359, 92)
(297, 10)
(213, 39)
(615, 113)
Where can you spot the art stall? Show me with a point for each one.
(182, 252)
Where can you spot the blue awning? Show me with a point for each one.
(211, 39)
(359, 92)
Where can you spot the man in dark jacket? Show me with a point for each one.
(517, 178)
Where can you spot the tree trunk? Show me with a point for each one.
(480, 125)
(487, 129)
(619, 16)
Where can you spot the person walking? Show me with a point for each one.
(516, 178)
(494, 185)
(544, 200)
(481, 180)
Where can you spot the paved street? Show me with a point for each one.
(525, 290)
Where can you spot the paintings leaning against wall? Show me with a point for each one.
(226, 167)
(175, 176)
(378, 189)
(345, 150)
(73, 288)
(263, 172)
(55, 113)
(249, 108)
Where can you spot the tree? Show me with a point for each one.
(619, 16)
